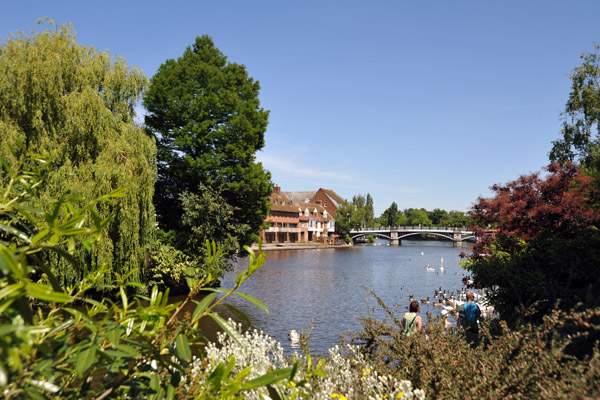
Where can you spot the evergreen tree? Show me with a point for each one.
(77, 105)
(205, 114)
(369, 211)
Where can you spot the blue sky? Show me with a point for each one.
(423, 103)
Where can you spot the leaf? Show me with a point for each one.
(44, 292)
(114, 334)
(273, 393)
(3, 375)
(233, 333)
(182, 347)
(11, 289)
(251, 299)
(239, 313)
(268, 379)
(62, 326)
(155, 386)
(85, 359)
(8, 263)
(5, 329)
(15, 232)
(123, 297)
(202, 305)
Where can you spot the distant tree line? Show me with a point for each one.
(359, 213)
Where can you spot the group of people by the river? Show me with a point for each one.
(468, 315)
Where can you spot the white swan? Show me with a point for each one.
(294, 336)
(429, 269)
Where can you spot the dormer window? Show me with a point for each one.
(276, 202)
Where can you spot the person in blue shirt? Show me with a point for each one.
(468, 315)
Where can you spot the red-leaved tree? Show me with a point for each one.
(546, 247)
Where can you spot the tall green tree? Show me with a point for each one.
(205, 114)
(580, 141)
(77, 105)
(392, 216)
(369, 211)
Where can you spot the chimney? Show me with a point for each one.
(277, 189)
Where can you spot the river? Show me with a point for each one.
(324, 286)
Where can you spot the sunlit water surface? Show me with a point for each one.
(325, 286)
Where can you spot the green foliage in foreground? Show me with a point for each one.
(57, 343)
(558, 359)
(77, 105)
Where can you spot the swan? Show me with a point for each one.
(441, 268)
(429, 269)
(294, 336)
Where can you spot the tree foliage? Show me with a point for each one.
(580, 140)
(547, 246)
(77, 104)
(417, 216)
(205, 114)
(56, 342)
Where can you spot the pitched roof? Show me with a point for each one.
(280, 202)
(320, 210)
(333, 195)
(300, 197)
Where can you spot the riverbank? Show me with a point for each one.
(297, 246)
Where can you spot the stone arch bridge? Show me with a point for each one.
(395, 234)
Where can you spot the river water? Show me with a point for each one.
(325, 286)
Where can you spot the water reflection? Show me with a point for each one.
(323, 287)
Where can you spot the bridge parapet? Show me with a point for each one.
(396, 233)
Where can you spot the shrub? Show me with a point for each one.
(535, 361)
(344, 374)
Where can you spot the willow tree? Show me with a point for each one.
(76, 104)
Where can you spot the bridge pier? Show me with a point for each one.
(394, 239)
(457, 239)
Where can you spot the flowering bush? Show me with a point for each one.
(342, 375)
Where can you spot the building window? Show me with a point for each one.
(276, 201)
(319, 202)
(325, 205)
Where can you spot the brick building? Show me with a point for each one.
(301, 216)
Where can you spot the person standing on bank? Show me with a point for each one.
(468, 315)
(411, 321)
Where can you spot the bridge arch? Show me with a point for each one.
(371, 234)
(427, 233)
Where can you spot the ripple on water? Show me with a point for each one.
(324, 286)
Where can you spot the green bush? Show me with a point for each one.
(57, 343)
(533, 362)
